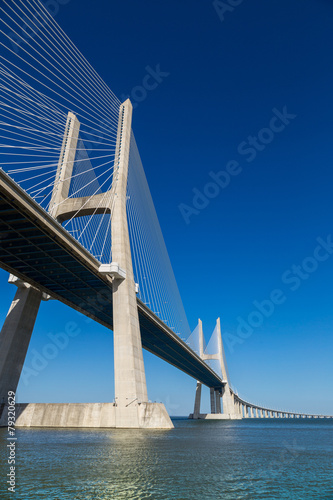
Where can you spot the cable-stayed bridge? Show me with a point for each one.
(78, 224)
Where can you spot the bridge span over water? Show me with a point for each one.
(78, 225)
(40, 252)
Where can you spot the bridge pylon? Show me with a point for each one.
(131, 408)
(216, 393)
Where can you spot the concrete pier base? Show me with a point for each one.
(90, 415)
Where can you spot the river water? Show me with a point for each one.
(250, 460)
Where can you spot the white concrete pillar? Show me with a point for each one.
(218, 402)
(201, 339)
(228, 401)
(15, 336)
(227, 398)
(212, 401)
(130, 379)
(197, 402)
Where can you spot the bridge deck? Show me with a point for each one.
(35, 248)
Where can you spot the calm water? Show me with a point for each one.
(249, 460)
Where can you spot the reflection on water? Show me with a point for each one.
(248, 460)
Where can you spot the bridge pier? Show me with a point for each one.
(130, 379)
(212, 401)
(230, 409)
(197, 403)
(131, 408)
(218, 402)
(15, 335)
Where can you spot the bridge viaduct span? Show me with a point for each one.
(44, 79)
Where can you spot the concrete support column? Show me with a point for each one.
(197, 402)
(15, 336)
(218, 402)
(250, 411)
(65, 165)
(130, 379)
(228, 401)
(237, 406)
(212, 401)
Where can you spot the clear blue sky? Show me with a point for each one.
(224, 80)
